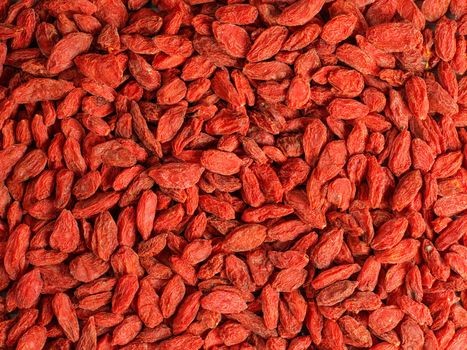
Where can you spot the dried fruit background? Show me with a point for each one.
(245, 175)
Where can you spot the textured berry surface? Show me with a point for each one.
(233, 174)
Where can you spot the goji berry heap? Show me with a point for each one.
(232, 174)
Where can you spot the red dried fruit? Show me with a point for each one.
(240, 14)
(347, 109)
(66, 316)
(234, 39)
(257, 175)
(64, 51)
(65, 235)
(390, 233)
(35, 338)
(394, 37)
(145, 213)
(176, 175)
(327, 248)
(300, 12)
(288, 280)
(147, 304)
(417, 97)
(221, 162)
(267, 44)
(385, 319)
(338, 28)
(28, 289)
(245, 238)
(223, 302)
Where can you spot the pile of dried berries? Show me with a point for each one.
(262, 175)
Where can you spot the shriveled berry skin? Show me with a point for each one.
(256, 175)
